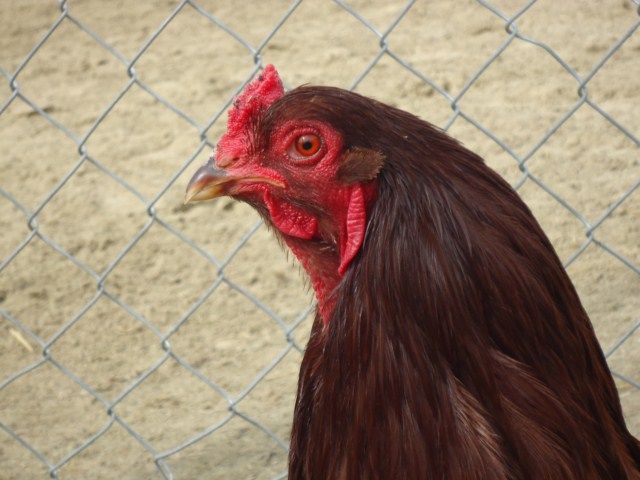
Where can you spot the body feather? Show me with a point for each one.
(457, 348)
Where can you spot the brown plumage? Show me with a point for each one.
(453, 346)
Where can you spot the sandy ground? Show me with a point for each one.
(196, 66)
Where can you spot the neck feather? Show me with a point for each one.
(447, 341)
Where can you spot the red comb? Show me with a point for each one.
(258, 95)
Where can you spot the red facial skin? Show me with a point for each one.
(312, 207)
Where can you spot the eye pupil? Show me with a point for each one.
(306, 145)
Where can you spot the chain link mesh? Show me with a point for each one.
(163, 336)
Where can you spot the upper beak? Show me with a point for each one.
(211, 182)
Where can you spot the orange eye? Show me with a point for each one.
(307, 145)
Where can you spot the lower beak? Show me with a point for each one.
(210, 182)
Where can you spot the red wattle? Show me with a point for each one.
(291, 220)
(355, 226)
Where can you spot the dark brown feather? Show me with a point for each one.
(458, 348)
(359, 165)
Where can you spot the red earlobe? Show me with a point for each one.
(290, 220)
(356, 223)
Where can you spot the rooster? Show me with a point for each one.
(449, 343)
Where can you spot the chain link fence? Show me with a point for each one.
(58, 347)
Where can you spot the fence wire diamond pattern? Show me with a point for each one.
(131, 79)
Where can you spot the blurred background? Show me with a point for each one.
(144, 339)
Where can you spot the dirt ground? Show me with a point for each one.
(196, 66)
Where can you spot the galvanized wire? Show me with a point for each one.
(202, 129)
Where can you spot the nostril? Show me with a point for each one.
(224, 161)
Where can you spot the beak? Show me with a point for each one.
(210, 182)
